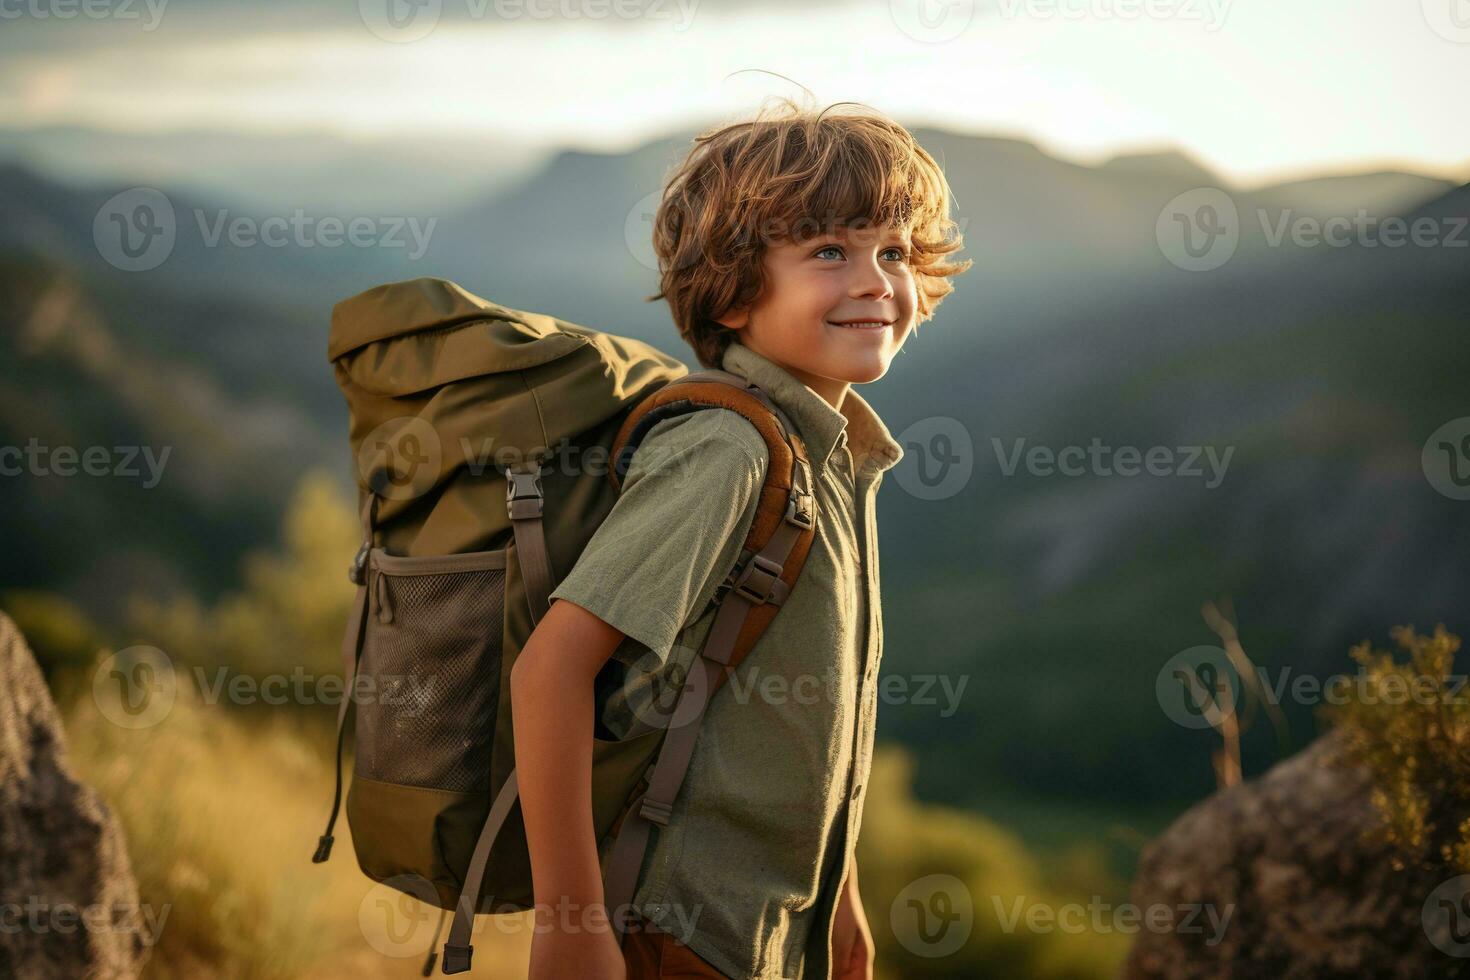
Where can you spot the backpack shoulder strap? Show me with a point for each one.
(775, 553)
(784, 527)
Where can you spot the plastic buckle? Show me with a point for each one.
(357, 572)
(758, 565)
(523, 494)
(457, 958)
(656, 811)
(799, 511)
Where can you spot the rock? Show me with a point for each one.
(68, 902)
(1280, 862)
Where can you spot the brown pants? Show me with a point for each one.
(652, 954)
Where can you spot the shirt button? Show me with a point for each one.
(857, 790)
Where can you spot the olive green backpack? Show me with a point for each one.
(490, 444)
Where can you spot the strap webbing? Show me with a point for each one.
(457, 948)
(351, 643)
(525, 502)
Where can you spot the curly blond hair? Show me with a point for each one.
(785, 176)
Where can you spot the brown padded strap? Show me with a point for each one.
(787, 456)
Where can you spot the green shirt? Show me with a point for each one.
(747, 870)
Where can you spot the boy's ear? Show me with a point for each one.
(735, 319)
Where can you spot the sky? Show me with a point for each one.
(1257, 90)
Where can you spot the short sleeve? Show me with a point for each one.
(687, 504)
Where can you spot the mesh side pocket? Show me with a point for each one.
(431, 670)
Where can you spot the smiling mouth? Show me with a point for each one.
(862, 324)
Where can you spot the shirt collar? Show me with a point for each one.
(822, 427)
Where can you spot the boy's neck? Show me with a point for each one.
(829, 390)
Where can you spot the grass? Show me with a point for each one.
(221, 816)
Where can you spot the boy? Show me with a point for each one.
(797, 252)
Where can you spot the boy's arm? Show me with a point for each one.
(677, 528)
(552, 696)
(852, 938)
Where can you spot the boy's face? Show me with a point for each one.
(846, 275)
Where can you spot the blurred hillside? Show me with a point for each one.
(1322, 370)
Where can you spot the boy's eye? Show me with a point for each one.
(894, 253)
